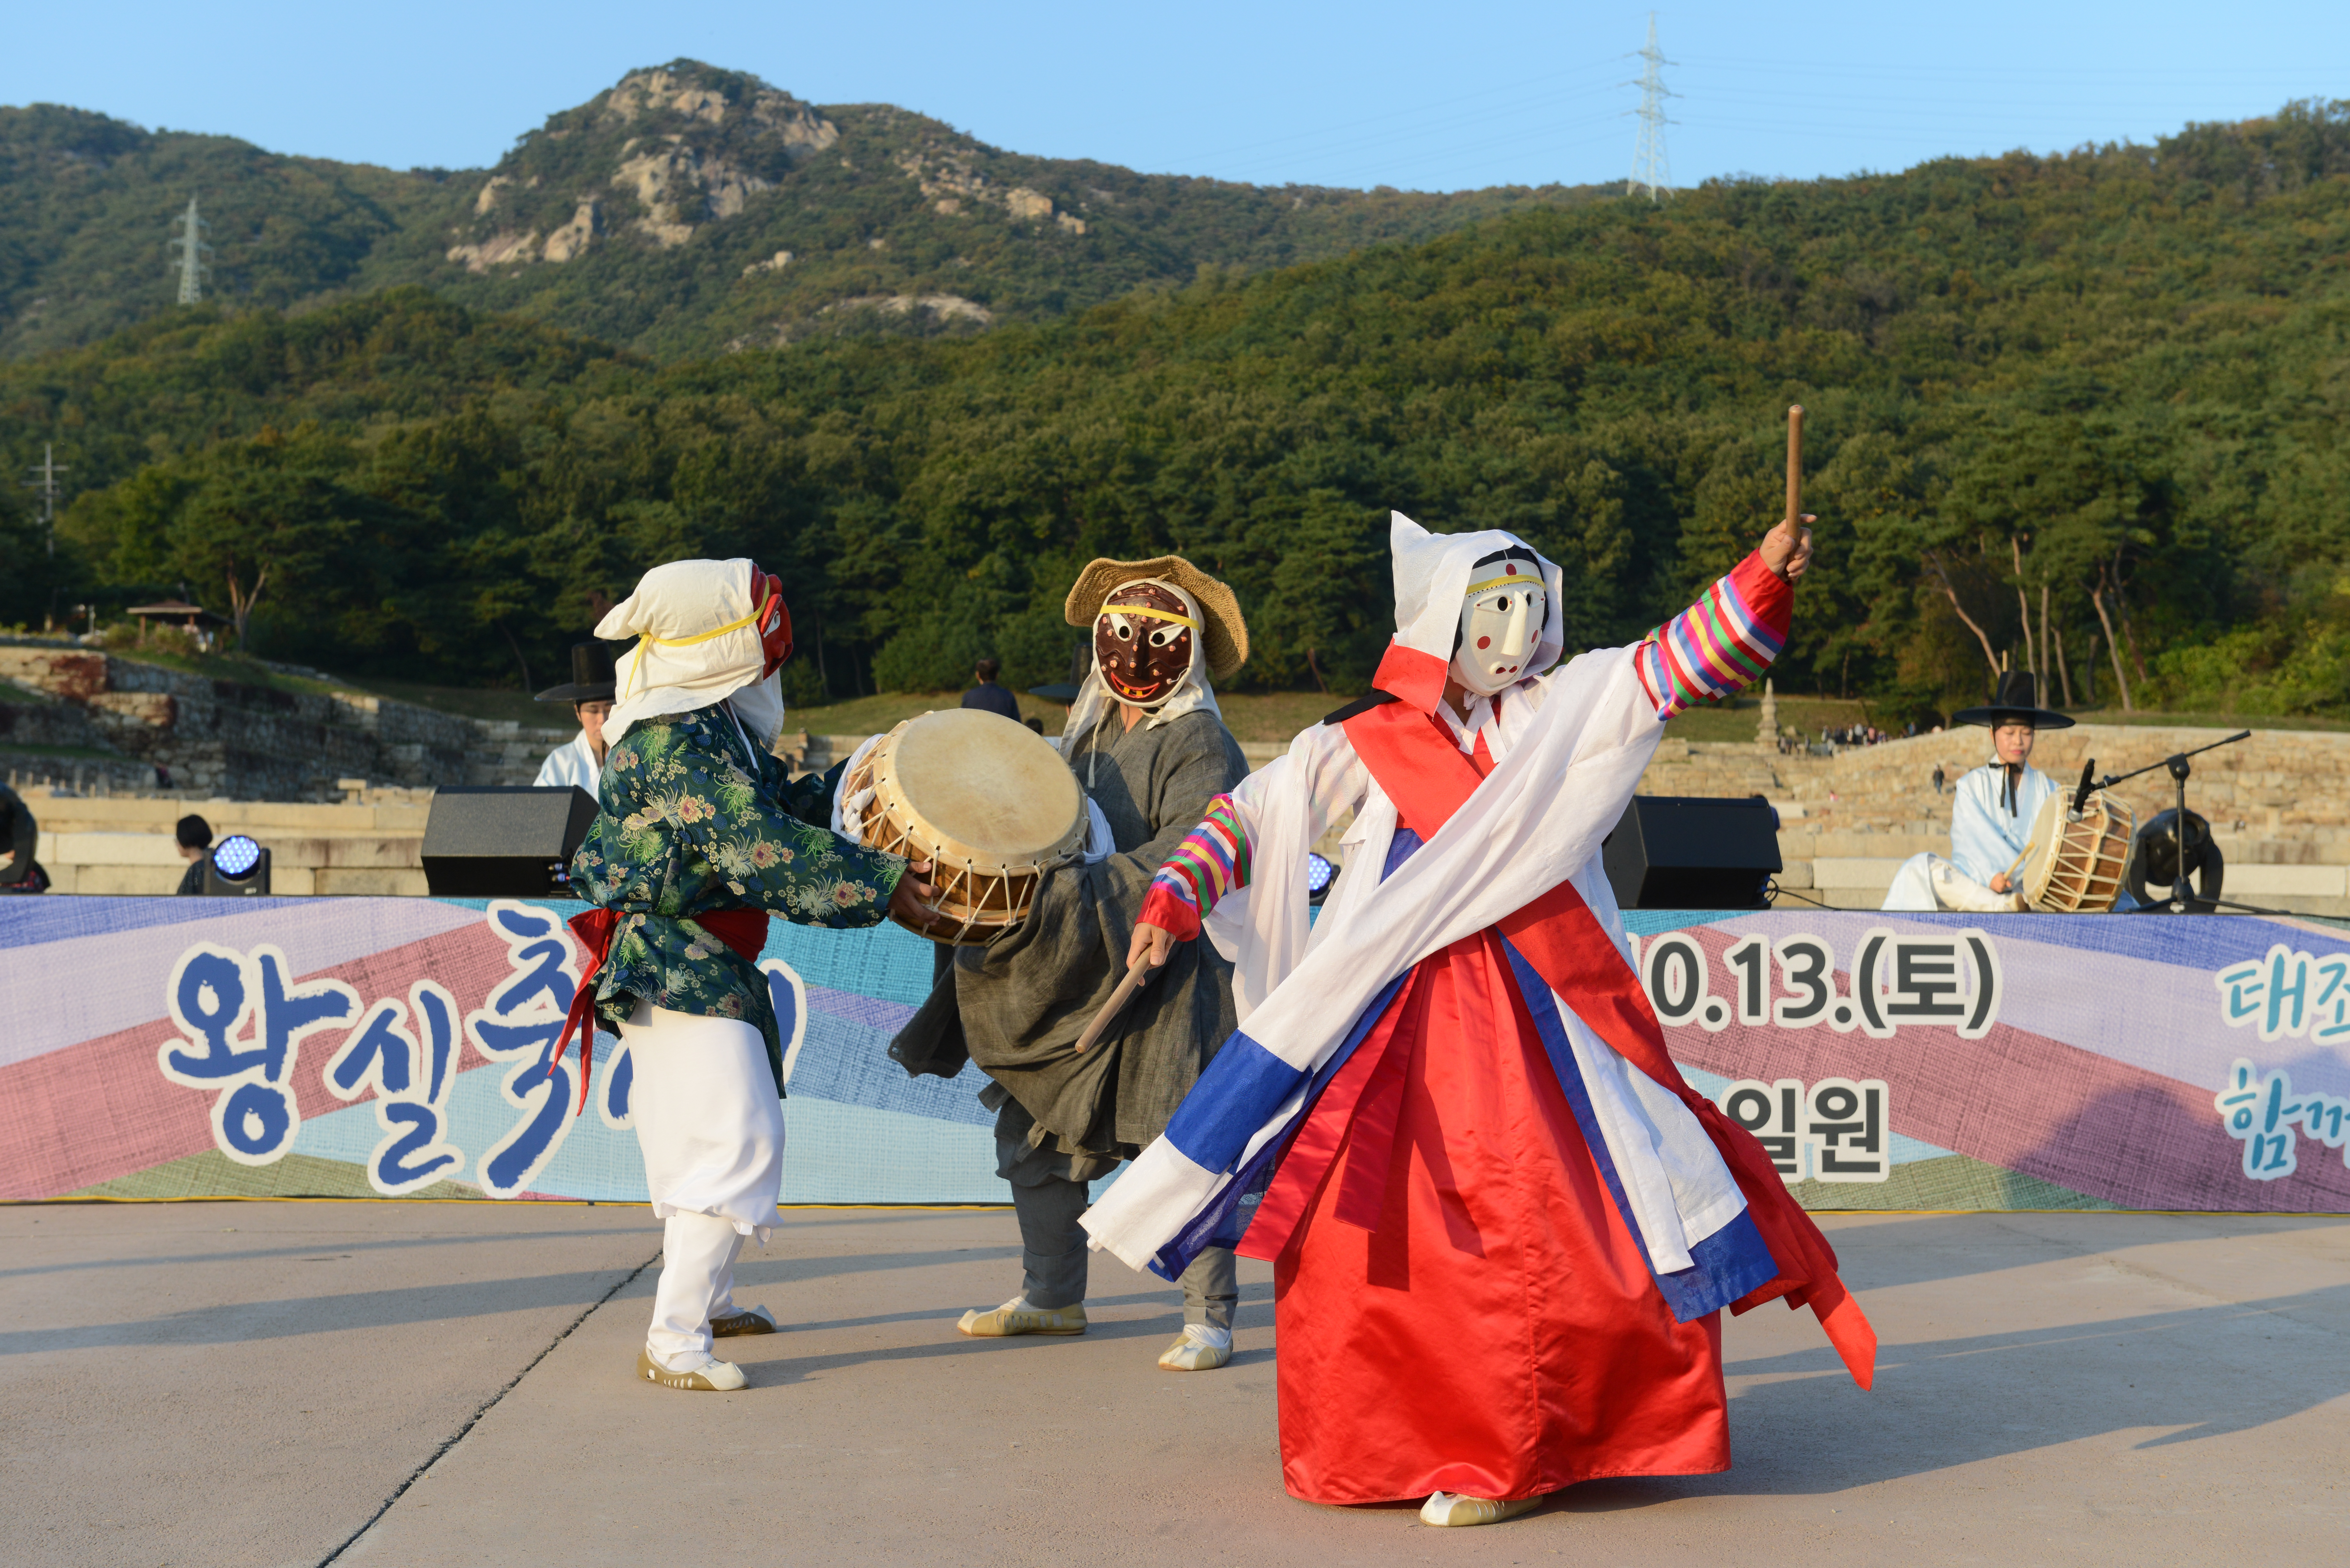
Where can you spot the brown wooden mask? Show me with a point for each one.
(1143, 655)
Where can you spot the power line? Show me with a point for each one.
(1485, 94)
(1650, 167)
(1350, 135)
(192, 250)
(1556, 138)
(1882, 69)
(46, 486)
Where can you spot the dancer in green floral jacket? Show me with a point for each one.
(692, 823)
(698, 843)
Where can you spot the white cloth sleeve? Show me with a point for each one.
(849, 810)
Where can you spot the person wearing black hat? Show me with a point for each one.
(1992, 810)
(580, 761)
(1065, 692)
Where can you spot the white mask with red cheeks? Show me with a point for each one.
(1501, 620)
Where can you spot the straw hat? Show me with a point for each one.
(1227, 639)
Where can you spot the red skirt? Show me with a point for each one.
(1460, 1308)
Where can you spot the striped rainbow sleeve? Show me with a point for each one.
(1722, 642)
(1209, 864)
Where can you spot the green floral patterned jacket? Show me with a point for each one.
(695, 822)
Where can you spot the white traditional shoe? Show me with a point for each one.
(1016, 1316)
(712, 1376)
(1446, 1508)
(1199, 1348)
(744, 1320)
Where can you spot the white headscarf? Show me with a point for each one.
(1432, 576)
(1193, 692)
(698, 643)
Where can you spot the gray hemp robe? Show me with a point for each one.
(1017, 1007)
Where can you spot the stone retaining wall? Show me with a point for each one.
(253, 741)
(369, 844)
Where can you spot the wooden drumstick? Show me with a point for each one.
(1795, 470)
(1135, 978)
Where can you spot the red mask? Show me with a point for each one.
(1143, 657)
(774, 622)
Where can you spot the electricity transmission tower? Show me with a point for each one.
(1650, 167)
(192, 250)
(45, 485)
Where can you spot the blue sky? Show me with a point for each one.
(1472, 92)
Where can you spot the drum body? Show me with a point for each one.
(988, 801)
(2077, 868)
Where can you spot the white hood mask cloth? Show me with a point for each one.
(1434, 574)
(698, 643)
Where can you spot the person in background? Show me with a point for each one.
(1940, 778)
(21, 836)
(990, 695)
(195, 838)
(580, 759)
(1992, 810)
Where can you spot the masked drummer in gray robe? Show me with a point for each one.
(1149, 749)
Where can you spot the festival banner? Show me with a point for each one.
(2023, 1062)
(399, 1047)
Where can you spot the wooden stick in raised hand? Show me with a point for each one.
(1787, 548)
(1795, 466)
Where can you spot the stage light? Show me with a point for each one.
(237, 867)
(1319, 874)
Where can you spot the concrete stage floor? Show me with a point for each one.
(439, 1383)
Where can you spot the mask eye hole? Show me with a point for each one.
(1163, 637)
(1122, 630)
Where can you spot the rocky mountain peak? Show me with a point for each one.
(695, 92)
(664, 152)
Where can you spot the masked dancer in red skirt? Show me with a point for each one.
(1503, 1226)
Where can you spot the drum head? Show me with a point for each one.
(987, 784)
(2039, 860)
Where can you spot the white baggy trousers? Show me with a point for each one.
(711, 1127)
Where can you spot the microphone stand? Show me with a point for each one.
(2182, 897)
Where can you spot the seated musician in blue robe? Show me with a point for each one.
(1991, 812)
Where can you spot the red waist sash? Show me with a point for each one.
(744, 930)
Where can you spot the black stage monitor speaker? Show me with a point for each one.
(1686, 852)
(502, 842)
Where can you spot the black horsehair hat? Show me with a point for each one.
(2018, 702)
(592, 679)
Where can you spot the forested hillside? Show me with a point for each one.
(2115, 383)
(687, 211)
